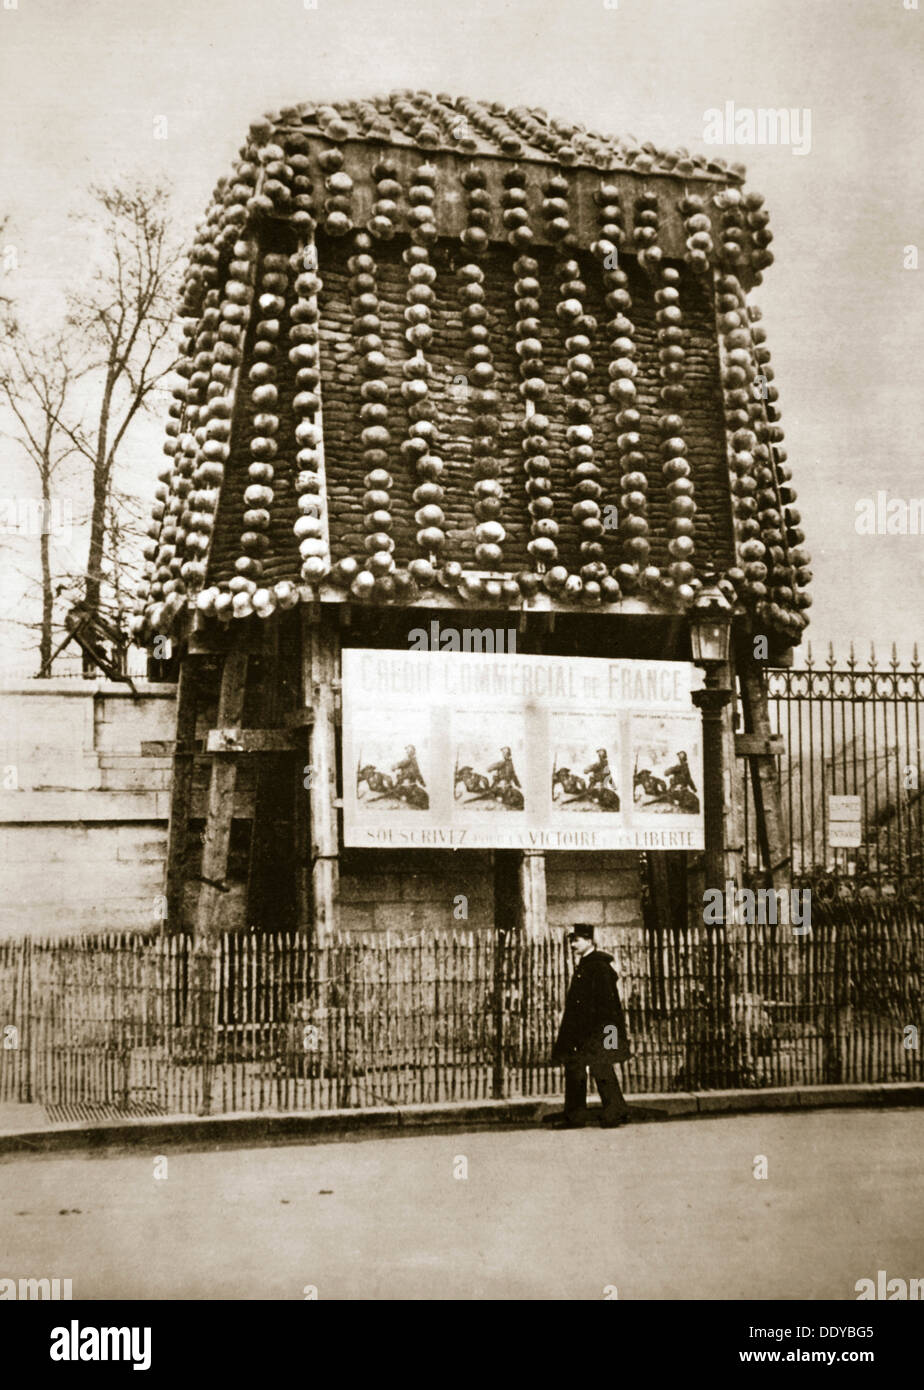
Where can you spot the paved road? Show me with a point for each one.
(670, 1210)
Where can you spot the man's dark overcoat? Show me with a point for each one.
(591, 1006)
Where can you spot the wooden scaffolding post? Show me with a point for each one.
(733, 838)
(180, 793)
(321, 683)
(220, 812)
(759, 746)
(222, 783)
(533, 906)
(265, 873)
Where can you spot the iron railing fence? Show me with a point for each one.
(70, 667)
(850, 731)
(142, 1024)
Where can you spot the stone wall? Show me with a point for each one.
(405, 893)
(389, 891)
(83, 815)
(603, 889)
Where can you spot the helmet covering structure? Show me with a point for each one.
(441, 348)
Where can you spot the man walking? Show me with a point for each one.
(592, 1035)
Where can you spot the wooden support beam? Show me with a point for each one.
(221, 802)
(659, 889)
(533, 904)
(250, 741)
(321, 674)
(299, 719)
(304, 887)
(183, 751)
(212, 887)
(269, 884)
(768, 803)
(734, 801)
(759, 745)
(215, 638)
(632, 605)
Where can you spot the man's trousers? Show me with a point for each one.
(604, 1074)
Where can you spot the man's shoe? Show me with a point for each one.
(562, 1121)
(615, 1123)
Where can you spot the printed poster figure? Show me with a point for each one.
(662, 780)
(407, 771)
(389, 783)
(593, 789)
(486, 785)
(585, 764)
(679, 776)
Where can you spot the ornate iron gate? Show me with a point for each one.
(851, 731)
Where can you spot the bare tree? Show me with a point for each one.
(76, 395)
(125, 534)
(124, 319)
(8, 262)
(36, 385)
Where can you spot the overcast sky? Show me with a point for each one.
(81, 86)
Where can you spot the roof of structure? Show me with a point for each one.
(475, 128)
(447, 352)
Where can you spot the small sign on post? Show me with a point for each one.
(845, 828)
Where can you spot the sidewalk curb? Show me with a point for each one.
(158, 1132)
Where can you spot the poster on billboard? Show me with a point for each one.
(461, 749)
(586, 772)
